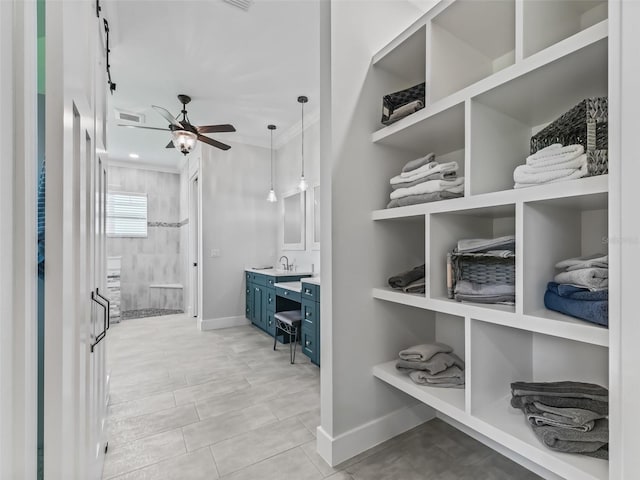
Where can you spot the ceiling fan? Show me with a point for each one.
(184, 133)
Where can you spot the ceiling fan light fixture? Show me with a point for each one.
(184, 140)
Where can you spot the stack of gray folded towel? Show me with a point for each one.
(570, 417)
(433, 365)
(424, 180)
(582, 289)
(498, 291)
(411, 281)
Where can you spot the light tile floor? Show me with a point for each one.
(191, 405)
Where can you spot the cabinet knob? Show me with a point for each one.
(286, 293)
(308, 314)
(257, 289)
(307, 343)
(307, 291)
(270, 299)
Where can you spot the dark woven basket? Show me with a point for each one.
(585, 124)
(479, 268)
(399, 99)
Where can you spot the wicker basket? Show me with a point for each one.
(393, 101)
(479, 268)
(585, 124)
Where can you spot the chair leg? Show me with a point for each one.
(295, 344)
(275, 337)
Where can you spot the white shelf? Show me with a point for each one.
(509, 427)
(562, 190)
(450, 401)
(545, 321)
(405, 57)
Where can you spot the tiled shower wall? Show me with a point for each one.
(157, 258)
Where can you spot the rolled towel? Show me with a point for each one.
(600, 260)
(555, 152)
(598, 406)
(591, 443)
(436, 364)
(418, 162)
(424, 352)
(405, 278)
(424, 171)
(561, 389)
(454, 186)
(404, 111)
(433, 176)
(575, 416)
(424, 198)
(592, 278)
(417, 286)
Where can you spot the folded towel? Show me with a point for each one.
(592, 278)
(455, 186)
(577, 293)
(417, 286)
(554, 153)
(465, 287)
(404, 111)
(571, 441)
(405, 278)
(598, 406)
(475, 245)
(488, 299)
(599, 260)
(436, 364)
(564, 388)
(418, 162)
(425, 171)
(432, 176)
(424, 198)
(525, 175)
(424, 352)
(450, 376)
(594, 311)
(575, 416)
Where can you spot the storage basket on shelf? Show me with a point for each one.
(402, 103)
(480, 268)
(585, 124)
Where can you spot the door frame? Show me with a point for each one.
(18, 207)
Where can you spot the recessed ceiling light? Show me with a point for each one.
(134, 155)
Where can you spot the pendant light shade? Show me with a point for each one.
(272, 193)
(303, 185)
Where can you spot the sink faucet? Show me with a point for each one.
(285, 266)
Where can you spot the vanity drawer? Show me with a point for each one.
(311, 291)
(309, 315)
(290, 294)
(309, 342)
(259, 279)
(271, 298)
(271, 322)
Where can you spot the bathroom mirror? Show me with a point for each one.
(315, 212)
(293, 221)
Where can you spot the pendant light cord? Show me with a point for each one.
(271, 159)
(302, 103)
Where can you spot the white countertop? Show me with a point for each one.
(314, 280)
(276, 272)
(293, 286)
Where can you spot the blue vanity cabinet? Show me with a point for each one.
(258, 306)
(310, 330)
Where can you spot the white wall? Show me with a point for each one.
(237, 221)
(361, 411)
(287, 176)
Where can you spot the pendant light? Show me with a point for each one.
(272, 194)
(303, 185)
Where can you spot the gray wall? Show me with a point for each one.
(155, 259)
(237, 221)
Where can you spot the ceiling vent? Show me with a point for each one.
(129, 117)
(241, 4)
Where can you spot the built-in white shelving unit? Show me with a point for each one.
(496, 73)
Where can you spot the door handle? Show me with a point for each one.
(108, 307)
(102, 334)
(195, 264)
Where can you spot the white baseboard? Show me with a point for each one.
(223, 322)
(501, 449)
(335, 450)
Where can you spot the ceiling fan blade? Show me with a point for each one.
(146, 128)
(167, 116)
(170, 145)
(213, 143)
(216, 128)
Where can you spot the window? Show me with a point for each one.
(126, 214)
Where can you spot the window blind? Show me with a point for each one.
(126, 214)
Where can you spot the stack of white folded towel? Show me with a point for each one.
(554, 163)
(424, 180)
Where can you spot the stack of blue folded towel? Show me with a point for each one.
(424, 180)
(582, 289)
